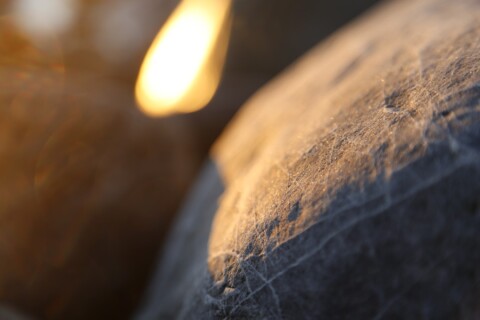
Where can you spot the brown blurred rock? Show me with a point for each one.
(87, 188)
(351, 183)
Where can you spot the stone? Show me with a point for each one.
(82, 174)
(348, 187)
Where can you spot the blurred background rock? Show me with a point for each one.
(88, 185)
(87, 189)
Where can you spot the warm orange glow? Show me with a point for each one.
(181, 71)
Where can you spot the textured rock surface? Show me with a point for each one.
(81, 177)
(351, 182)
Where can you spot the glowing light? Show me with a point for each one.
(181, 71)
(44, 17)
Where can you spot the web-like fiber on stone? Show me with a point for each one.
(353, 181)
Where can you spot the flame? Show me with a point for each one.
(182, 68)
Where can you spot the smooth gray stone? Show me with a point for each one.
(352, 183)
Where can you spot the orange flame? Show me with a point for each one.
(182, 68)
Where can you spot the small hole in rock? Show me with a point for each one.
(445, 113)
